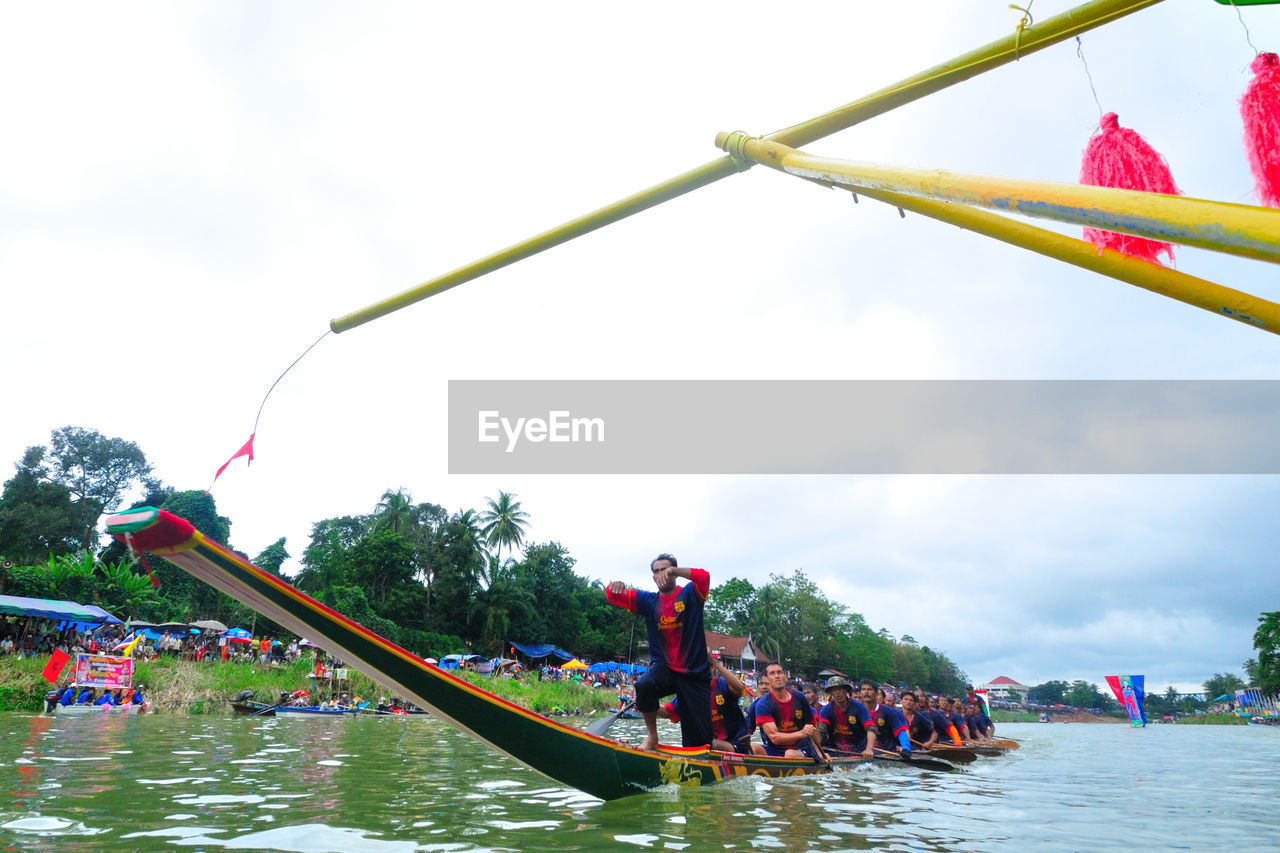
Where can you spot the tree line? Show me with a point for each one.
(1262, 673)
(432, 580)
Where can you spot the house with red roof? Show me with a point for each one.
(1006, 689)
(736, 652)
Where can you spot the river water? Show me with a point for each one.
(394, 785)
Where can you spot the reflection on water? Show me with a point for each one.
(393, 784)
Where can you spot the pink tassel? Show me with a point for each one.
(1118, 157)
(1260, 109)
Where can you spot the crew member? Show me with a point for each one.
(919, 725)
(786, 720)
(727, 722)
(843, 724)
(677, 646)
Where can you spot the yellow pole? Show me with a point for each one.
(1215, 298)
(1236, 229)
(999, 52)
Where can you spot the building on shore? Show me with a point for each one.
(1006, 689)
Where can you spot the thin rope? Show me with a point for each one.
(1026, 21)
(1247, 37)
(282, 375)
(1080, 53)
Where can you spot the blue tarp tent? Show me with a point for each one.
(103, 615)
(540, 651)
(44, 608)
(452, 661)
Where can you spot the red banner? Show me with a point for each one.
(53, 668)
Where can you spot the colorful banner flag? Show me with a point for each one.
(54, 667)
(1129, 693)
(104, 671)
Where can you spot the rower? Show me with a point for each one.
(785, 719)
(890, 725)
(941, 723)
(843, 724)
(977, 721)
(919, 726)
(956, 717)
(810, 692)
(728, 724)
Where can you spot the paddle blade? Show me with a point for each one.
(600, 726)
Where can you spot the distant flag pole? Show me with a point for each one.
(53, 668)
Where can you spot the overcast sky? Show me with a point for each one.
(191, 193)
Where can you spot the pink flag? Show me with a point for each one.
(246, 450)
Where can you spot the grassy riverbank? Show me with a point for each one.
(184, 687)
(1001, 716)
(1213, 720)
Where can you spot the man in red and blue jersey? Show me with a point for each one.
(956, 716)
(785, 719)
(978, 728)
(727, 722)
(890, 724)
(947, 733)
(919, 725)
(844, 724)
(677, 647)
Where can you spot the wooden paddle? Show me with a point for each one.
(599, 727)
(950, 753)
(980, 749)
(885, 755)
(915, 761)
(1003, 743)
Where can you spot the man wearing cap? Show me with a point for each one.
(843, 724)
(677, 647)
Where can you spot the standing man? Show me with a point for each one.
(677, 647)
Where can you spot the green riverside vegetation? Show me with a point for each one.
(187, 687)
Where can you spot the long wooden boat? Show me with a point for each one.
(601, 767)
(250, 708)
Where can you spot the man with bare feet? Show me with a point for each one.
(677, 647)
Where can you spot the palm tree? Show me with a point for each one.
(502, 596)
(504, 523)
(763, 618)
(395, 512)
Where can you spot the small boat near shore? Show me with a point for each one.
(250, 708)
(94, 710)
